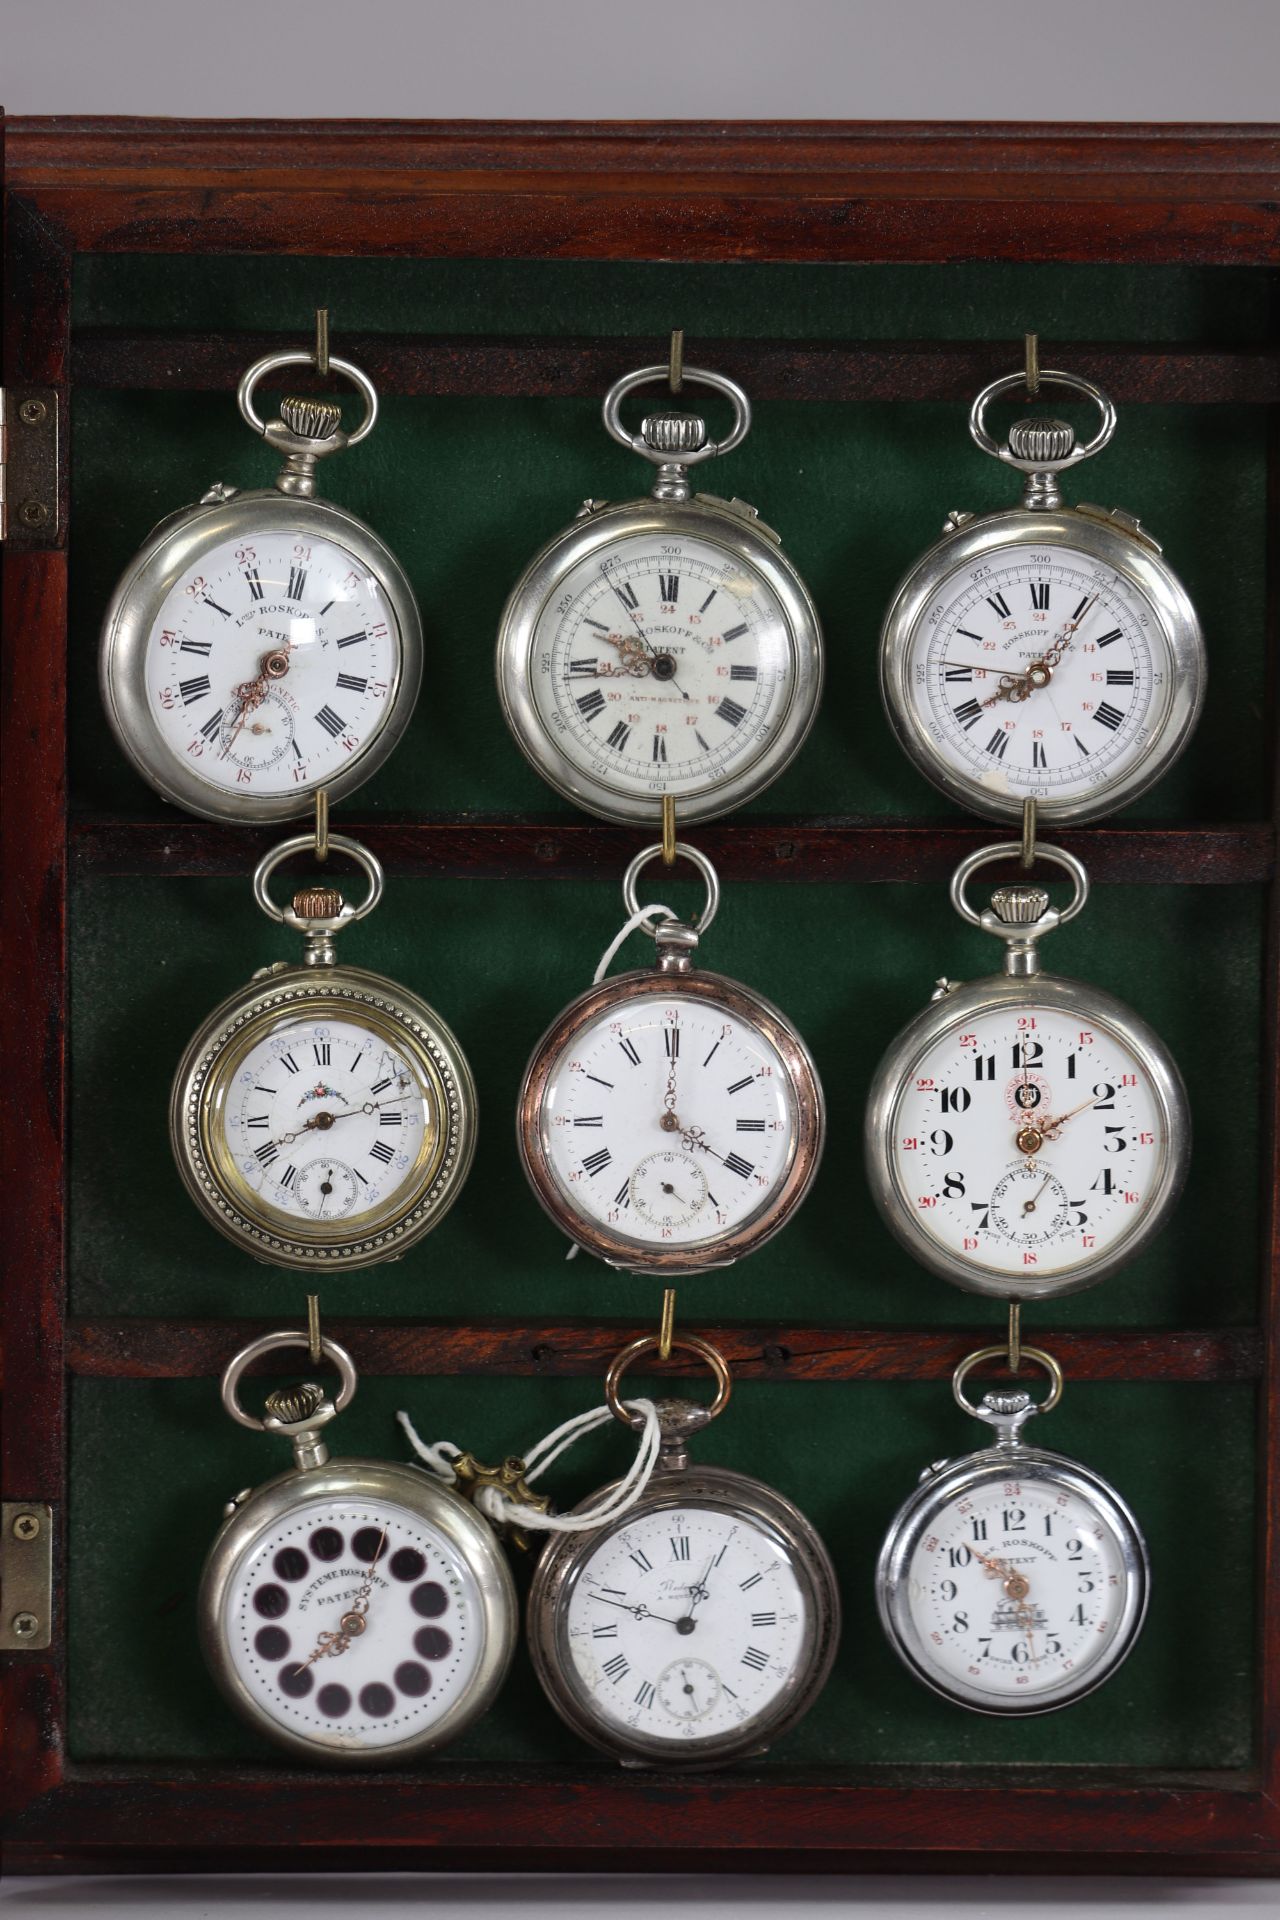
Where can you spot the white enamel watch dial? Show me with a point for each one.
(415, 1654)
(263, 644)
(355, 1611)
(670, 1121)
(1044, 652)
(270, 664)
(663, 646)
(1026, 1134)
(1014, 1580)
(323, 1113)
(1028, 1143)
(695, 1629)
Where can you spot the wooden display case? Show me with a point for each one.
(863, 282)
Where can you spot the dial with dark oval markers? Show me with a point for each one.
(296, 1681)
(433, 1643)
(377, 1700)
(272, 1643)
(430, 1599)
(412, 1679)
(271, 1601)
(407, 1563)
(291, 1563)
(333, 1701)
(366, 1542)
(326, 1543)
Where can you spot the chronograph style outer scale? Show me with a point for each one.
(951, 1013)
(675, 1486)
(206, 1074)
(672, 977)
(174, 548)
(942, 1487)
(734, 530)
(1102, 544)
(374, 1482)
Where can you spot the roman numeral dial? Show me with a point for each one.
(664, 666)
(272, 666)
(665, 1122)
(1039, 674)
(664, 1639)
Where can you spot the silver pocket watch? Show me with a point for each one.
(356, 1612)
(662, 646)
(264, 644)
(1013, 1580)
(699, 1627)
(322, 1114)
(670, 1120)
(1043, 651)
(1025, 1134)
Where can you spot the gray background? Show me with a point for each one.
(648, 60)
(967, 60)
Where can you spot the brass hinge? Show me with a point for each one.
(29, 465)
(26, 1576)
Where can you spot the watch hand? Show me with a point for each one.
(1060, 1119)
(1038, 673)
(1032, 1134)
(321, 1122)
(354, 1620)
(671, 677)
(1029, 1206)
(698, 1591)
(251, 693)
(640, 1611)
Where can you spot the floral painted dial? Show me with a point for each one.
(1019, 1587)
(1028, 1142)
(685, 1623)
(326, 1120)
(353, 1624)
(669, 1120)
(1039, 673)
(272, 663)
(663, 665)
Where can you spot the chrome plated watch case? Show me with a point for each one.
(676, 1483)
(307, 432)
(318, 985)
(1020, 917)
(1007, 1460)
(299, 1415)
(673, 443)
(1111, 541)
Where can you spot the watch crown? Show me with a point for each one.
(292, 1404)
(1044, 441)
(1015, 1400)
(317, 903)
(1019, 906)
(674, 433)
(311, 419)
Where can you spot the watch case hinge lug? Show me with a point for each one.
(29, 466)
(26, 1576)
(1126, 522)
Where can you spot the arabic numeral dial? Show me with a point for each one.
(1019, 1588)
(685, 1623)
(1028, 1143)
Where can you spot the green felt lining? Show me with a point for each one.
(155, 1462)
(464, 490)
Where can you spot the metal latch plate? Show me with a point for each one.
(28, 465)
(26, 1576)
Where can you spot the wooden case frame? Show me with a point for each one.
(1198, 195)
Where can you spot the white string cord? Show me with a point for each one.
(497, 1506)
(641, 918)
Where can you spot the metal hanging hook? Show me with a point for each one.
(1015, 1336)
(666, 1328)
(1031, 349)
(1028, 834)
(322, 824)
(322, 342)
(668, 829)
(675, 360)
